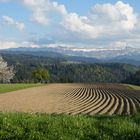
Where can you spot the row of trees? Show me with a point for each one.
(134, 78)
(7, 73)
(74, 73)
(44, 72)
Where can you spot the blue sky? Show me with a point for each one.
(83, 6)
(78, 23)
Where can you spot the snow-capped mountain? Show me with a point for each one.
(98, 53)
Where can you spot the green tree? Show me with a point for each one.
(137, 78)
(41, 75)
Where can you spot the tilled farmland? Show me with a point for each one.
(73, 99)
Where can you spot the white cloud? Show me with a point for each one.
(111, 22)
(59, 8)
(116, 16)
(42, 8)
(79, 24)
(8, 44)
(13, 44)
(10, 21)
(103, 20)
(118, 44)
(29, 45)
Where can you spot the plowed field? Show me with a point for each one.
(73, 99)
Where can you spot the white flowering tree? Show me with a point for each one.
(6, 72)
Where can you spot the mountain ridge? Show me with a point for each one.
(126, 54)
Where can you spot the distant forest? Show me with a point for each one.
(63, 71)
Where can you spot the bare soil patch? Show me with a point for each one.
(73, 99)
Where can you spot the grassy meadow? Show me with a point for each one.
(23, 126)
(13, 87)
(134, 87)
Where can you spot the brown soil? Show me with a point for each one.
(73, 99)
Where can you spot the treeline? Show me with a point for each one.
(64, 72)
(133, 78)
(90, 73)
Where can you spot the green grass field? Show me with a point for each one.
(13, 87)
(134, 87)
(15, 126)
